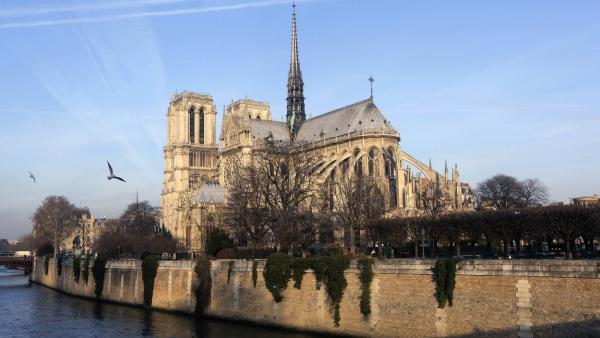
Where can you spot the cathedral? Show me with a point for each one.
(356, 136)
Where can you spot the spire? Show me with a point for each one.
(295, 99)
(446, 169)
(371, 79)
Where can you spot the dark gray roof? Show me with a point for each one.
(210, 192)
(357, 117)
(261, 129)
(360, 116)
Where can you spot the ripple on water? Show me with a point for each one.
(35, 311)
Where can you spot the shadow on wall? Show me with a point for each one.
(578, 329)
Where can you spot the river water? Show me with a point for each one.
(31, 310)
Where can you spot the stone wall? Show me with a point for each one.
(492, 298)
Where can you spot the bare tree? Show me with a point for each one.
(534, 192)
(506, 192)
(55, 219)
(357, 201)
(246, 214)
(288, 189)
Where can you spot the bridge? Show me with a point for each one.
(16, 262)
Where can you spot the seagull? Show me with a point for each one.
(31, 176)
(112, 175)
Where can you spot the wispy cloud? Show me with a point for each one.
(143, 14)
(88, 7)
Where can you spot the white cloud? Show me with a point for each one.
(143, 14)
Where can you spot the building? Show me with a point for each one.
(355, 137)
(586, 200)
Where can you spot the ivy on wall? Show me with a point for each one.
(59, 261)
(254, 272)
(329, 269)
(46, 264)
(444, 277)
(299, 267)
(86, 269)
(365, 266)
(76, 268)
(277, 273)
(202, 270)
(229, 270)
(98, 271)
(149, 268)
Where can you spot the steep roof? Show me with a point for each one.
(261, 129)
(360, 116)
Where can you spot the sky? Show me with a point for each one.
(506, 86)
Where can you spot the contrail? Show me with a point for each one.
(35, 11)
(44, 23)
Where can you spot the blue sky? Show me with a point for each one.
(496, 86)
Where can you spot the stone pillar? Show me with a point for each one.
(524, 308)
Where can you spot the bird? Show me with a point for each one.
(112, 175)
(31, 176)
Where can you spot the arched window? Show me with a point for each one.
(201, 132)
(390, 174)
(372, 162)
(358, 166)
(191, 114)
(258, 117)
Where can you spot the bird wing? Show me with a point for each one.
(120, 179)
(110, 168)
(31, 176)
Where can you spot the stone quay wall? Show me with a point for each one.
(521, 298)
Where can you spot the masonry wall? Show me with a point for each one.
(492, 298)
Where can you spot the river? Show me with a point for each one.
(31, 310)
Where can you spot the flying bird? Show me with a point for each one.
(31, 176)
(112, 175)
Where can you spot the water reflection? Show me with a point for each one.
(36, 311)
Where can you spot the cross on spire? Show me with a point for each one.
(371, 79)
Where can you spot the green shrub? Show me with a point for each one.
(254, 272)
(217, 240)
(329, 269)
(86, 269)
(76, 268)
(98, 271)
(46, 264)
(59, 261)
(335, 281)
(149, 268)
(299, 267)
(229, 270)
(444, 277)
(277, 273)
(365, 265)
(202, 269)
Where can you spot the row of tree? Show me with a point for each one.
(494, 229)
(135, 233)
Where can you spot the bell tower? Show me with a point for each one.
(190, 155)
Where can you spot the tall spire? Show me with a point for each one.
(295, 99)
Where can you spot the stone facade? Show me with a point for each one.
(491, 299)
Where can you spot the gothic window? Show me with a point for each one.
(372, 162)
(191, 114)
(201, 133)
(358, 167)
(258, 117)
(390, 174)
(194, 181)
